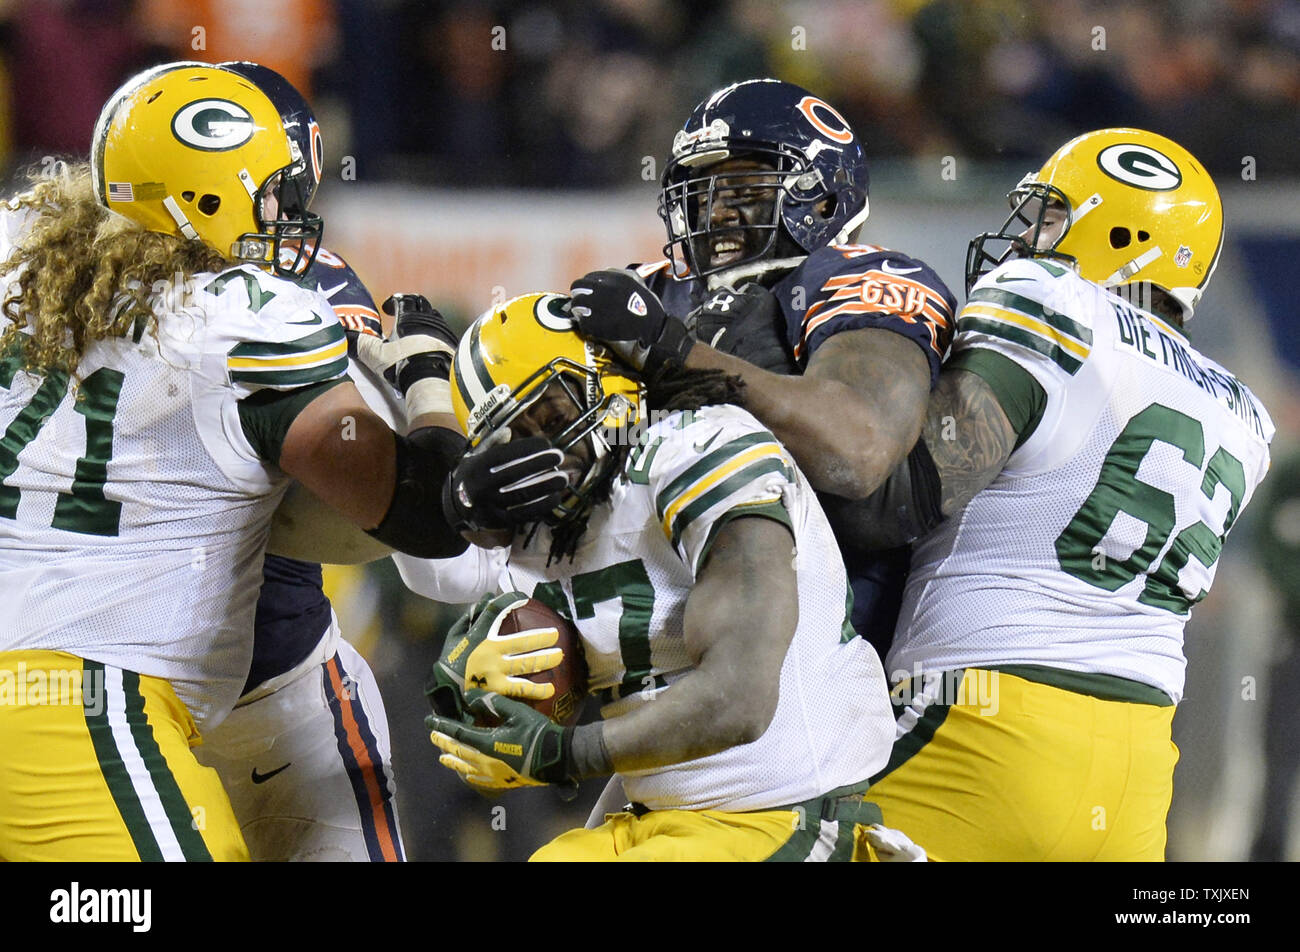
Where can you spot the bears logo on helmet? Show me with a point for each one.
(819, 191)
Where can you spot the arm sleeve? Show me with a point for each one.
(1021, 397)
(708, 467)
(267, 415)
(850, 287)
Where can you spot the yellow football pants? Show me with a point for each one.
(712, 836)
(1020, 770)
(97, 766)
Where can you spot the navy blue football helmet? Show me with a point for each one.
(299, 121)
(817, 183)
(298, 190)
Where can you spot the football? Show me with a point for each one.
(570, 676)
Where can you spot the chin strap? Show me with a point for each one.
(734, 277)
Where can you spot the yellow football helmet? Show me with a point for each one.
(512, 354)
(199, 151)
(1140, 209)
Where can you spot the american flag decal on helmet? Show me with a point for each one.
(120, 192)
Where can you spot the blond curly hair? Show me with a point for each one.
(84, 273)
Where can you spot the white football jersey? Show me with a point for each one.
(626, 590)
(133, 510)
(1088, 550)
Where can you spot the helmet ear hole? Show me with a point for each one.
(1144, 236)
(209, 204)
(828, 205)
(187, 196)
(1120, 237)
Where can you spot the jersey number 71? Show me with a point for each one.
(84, 509)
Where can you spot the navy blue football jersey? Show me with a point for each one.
(842, 288)
(333, 277)
(292, 610)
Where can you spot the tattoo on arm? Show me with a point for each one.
(968, 435)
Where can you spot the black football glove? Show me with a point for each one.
(504, 485)
(617, 309)
(417, 358)
(747, 324)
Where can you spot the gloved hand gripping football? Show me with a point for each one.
(477, 656)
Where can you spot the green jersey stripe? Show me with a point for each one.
(326, 337)
(1033, 309)
(112, 768)
(807, 830)
(698, 470)
(169, 793)
(1067, 362)
(297, 377)
(719, 493)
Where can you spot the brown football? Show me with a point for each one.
(570, 676)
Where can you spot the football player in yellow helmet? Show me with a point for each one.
(1079, 470)
(152, 428)
(1121, 207)
(678, 523)
(193, 150)
(499, 377)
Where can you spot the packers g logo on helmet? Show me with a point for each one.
(201, 152)
(1140, 210)
(1140, 166)
(214, 125)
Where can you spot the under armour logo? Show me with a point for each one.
(636, 304)
(723, 302)
(478, 681)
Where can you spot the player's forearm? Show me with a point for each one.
(739, 622)
(702, 714)
(850, 419)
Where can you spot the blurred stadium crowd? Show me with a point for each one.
(409, 89)
(465, 95)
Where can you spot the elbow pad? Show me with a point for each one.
(415, 523)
